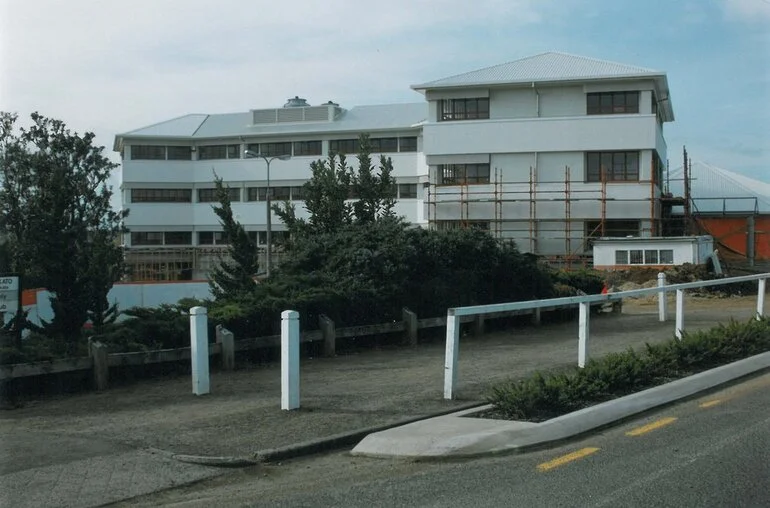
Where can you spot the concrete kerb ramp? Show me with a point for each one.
(459, 435)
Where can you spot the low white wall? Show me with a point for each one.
(128, 295)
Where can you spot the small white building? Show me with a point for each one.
(651, 252)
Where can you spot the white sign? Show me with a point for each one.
(9, 294)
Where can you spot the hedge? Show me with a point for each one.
(547, 395)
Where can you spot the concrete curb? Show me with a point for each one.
(456, 436)
(313, 446)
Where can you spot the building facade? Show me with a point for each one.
(549, 151)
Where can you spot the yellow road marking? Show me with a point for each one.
(564, 459)
(651, 426)
(710, 403)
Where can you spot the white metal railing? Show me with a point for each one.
(584, 303)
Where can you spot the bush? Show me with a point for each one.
(147, 329)
(589, 281)
(544, 396)
(365, 274)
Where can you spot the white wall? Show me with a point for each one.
(512, 103)
(572, 134)
(129, 295)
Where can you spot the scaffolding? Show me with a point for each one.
(538, 194)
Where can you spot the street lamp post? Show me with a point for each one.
(268, 160)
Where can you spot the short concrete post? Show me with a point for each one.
(450, 358)
(329, 334)
(199, 350)
(662, 299)
(98, 352)
(679, 313)
(410, 326)
(536, 320)
(478, 324)
(226, 340)
(289, 359)
(583, 330)
(761, 298)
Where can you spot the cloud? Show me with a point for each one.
(754, 11)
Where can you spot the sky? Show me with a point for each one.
(110, 67)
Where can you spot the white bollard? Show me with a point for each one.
(583, 325)
(679, 313)
(450, 358)
(761, 298)
(199, 350)
(662, 300)
(289, 359)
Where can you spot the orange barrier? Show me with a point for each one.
(730, 233)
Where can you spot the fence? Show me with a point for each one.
(456, 315)
(100, 360)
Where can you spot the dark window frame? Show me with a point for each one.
(463, 174)
(304, 148)
(344, 146)
(209, 195)
(161, 195)
(411, 189)
(275, 148)
(463, 109)
(383, 145)
(407, 144)
(167, 235)
(612, 103)
(142, 238)
(219, 152)
(148, 152)
(612, 166)
(178, 153)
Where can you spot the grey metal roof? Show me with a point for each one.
(551, 66)
(357, 119)
(716, 190)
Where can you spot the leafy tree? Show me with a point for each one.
(375, 192)
(57, 219)
(236, 274)
(328, 191)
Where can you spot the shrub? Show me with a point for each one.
(588, 281)
(544, 396)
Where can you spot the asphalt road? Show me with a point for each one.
(713, 451)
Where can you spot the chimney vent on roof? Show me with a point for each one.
(332, 103)
(296, 102)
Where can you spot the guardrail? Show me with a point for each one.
(454, 315)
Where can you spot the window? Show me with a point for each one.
(407, 191)
(211, 238)
(407, 144)
(612, 227)
(275, 149)
(178, 238)
(612, 166)
(145, 238)
(666, 257)
(179, 153)
(463, 109)
(612, 103)
(459, 174)
(148, 152)
(257, 193)
(635, 257)
(161, 195)
(650, 257)
(383, 145)
(307, 148)
(447, 225)
(219, 152)
(298, 193)
(621, 257)
(258, 237)
(343, 146)
(280, 193)
(210, 195)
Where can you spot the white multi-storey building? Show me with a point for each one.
(547, 150)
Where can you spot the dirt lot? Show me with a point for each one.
(242, 415)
